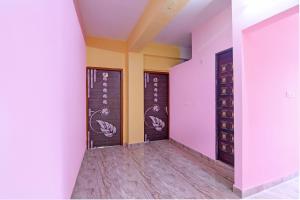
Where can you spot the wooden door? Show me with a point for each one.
(224, 105)
(103, 107)
(156, 102)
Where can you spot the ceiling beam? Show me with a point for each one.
(156, 16)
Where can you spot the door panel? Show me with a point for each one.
(156, 102)
(104, 107)
(224, 104)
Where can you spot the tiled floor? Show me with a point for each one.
(157, 170)
(286, 190)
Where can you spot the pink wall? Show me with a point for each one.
(192, 86)
(270, 124)
(245, 14)
(42, 104)
(192, 92)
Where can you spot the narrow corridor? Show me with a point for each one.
(158, 169)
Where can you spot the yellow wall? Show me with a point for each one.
(112, 54)
(160, 57)
(108, 44)
(135, 98)
(162, 50)
(159, 64)
(105, 58)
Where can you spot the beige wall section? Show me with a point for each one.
(107, 53)
(169, 51)
(135, 98)
(105, 58)
(159, 64)
(107, 43)
(161, 57)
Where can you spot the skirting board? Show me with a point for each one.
(251, 191)
(223, 169)
(228, 172)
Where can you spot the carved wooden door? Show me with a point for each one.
(224, 104)
(104, 107)
(156, 102)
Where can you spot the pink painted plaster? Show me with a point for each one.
(271, 96)
(192, 92)
(244, 15)
(192, 86)
(42, 104)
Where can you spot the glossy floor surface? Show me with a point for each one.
(154, 170)
(286, 190)
(158, 170)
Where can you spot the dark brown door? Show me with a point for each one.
(156, 102)
(104, 107)
(224, 104)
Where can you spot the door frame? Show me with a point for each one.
(121, 99)
(216, 102)
(169, 110)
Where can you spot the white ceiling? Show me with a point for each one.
(110, 18)
(179, 30)
(116, 18)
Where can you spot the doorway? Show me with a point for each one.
(104, 105)
(156, 106)
(224, 107)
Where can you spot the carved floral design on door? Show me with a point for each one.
(104, 107)
(156, 106)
